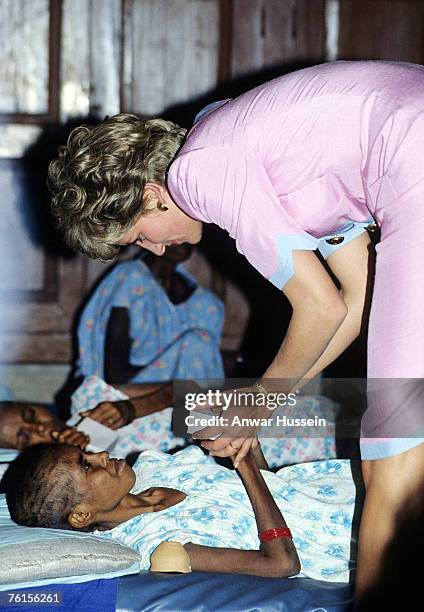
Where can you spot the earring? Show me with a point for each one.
(162, 207)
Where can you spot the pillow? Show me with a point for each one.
(32, 556)
(6, 456)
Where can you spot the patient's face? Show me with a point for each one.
(102, 481)
(24, 424)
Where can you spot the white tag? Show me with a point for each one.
(101, 437)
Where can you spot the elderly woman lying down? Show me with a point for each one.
(268, 524)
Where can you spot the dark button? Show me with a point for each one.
(335, 240)
(372, 227)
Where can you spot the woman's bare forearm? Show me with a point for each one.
(348, 331)
(310, 331)
(353, 265)
(308, 337)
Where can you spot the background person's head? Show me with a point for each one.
(173, 256)
(62, 487)
(98, 180)
(24, 424)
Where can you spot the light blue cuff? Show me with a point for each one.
(208, 108)
(285, 246)
(349, 231)
(381, 449)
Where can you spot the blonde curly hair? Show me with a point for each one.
(98, 179)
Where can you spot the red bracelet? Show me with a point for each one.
(279, 532)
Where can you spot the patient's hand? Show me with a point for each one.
(70, 435)
(112, 414)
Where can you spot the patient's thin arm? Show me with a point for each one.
(277, 557)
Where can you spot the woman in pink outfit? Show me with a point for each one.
(309, 161)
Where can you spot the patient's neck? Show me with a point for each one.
(131, 505)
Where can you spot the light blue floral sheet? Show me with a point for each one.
(316, 499)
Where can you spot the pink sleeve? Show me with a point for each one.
(235, 193)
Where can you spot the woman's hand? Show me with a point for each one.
(254, 453)
(112, 414)
(235, 434)
(70, 435)
(237, 449)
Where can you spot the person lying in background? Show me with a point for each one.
(303, 514)
(113, 406)
(25, 424)
(149, 320)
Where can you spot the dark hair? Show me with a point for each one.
(40, 491)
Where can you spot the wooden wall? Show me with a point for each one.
(63, 60)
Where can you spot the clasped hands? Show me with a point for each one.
(235, 432)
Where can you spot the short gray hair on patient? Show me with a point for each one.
(40, 490)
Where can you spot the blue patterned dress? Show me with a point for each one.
(316, 499)
(168, 340)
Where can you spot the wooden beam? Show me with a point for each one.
(382, 30)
